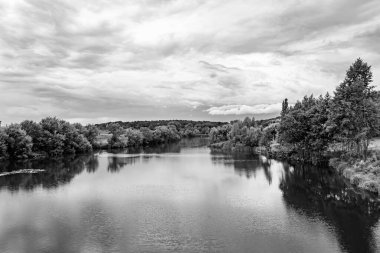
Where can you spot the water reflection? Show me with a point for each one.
(320, 193)
(116, 163)
(56, 172)
(244, 163)
(182, 197)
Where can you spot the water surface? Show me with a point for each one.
(181, 198)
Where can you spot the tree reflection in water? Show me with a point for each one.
(317, 193)
(244, 163)
(116, 163)
(63, 170)
(312, 193)
(320, 193)
(56, 172)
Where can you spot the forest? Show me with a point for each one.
(53, 137)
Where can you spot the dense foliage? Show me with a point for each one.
(344, 123)
(313, 127)
(249, 132)
(54, 137)
(187, 128)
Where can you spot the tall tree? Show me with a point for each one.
(285, 107)
(358, 71)
(353, 117)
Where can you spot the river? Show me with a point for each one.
(181, 197)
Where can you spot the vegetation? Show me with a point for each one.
(52, 137)
(339, 127)
(314, 128)
(246, 133)
(363, 174)
(185, 128)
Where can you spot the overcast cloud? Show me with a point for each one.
(95, 61)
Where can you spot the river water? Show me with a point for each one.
(181, 197)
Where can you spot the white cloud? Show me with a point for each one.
(126, 59)
(245, 109)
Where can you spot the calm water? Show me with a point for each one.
(181, 198)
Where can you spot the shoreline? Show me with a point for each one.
(362, 175)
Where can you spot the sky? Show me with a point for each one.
(98, 61)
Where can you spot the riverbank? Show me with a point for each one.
(364, 175)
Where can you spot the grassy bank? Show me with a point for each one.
(363, 174)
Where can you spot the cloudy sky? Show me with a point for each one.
(98, 60)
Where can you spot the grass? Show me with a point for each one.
(363, 174)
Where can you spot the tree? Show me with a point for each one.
(34, 130)
(74, 141)
(116, 130)
(52, 139)
(19, 144)
(147, 135)
(253, 122)
(247, 122)
(358, 71)
(268, 135)
(91, 132)
(353, 117)
(285, 107)
(253, 137)
(303, 128)
(3, 144)
(135, 137)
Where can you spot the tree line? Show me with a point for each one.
(188, 128)
(313, 127)
(53, 137)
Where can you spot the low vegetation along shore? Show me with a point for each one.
(334, 128)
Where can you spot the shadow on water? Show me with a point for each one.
(56, 172)
(244, 163)
(318, 192)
